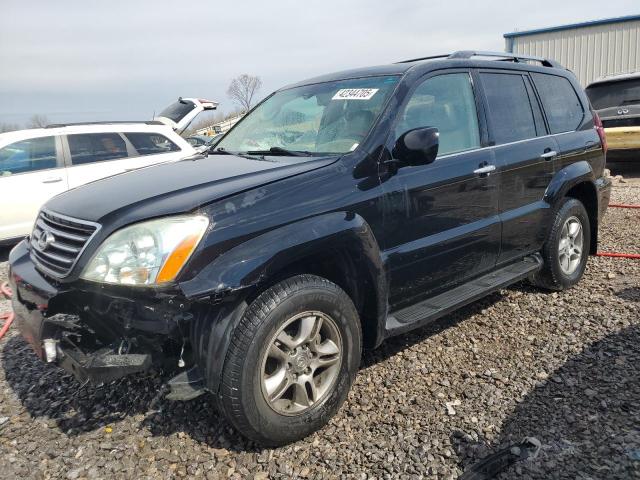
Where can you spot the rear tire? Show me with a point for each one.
(566, 250)
(291, 361)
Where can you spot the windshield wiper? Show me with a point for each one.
(281, 151)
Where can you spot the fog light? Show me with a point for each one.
(50, 349)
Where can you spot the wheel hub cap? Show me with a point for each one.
(301, 364)
(571, 245)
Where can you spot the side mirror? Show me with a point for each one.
(418, 146)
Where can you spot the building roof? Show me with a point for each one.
(592, 23)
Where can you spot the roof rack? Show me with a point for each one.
(117, 122)
(503, 56)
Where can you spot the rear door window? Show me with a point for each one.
(614, 94)
(151, 143)
(510, 112)
(28, 156)
(560, 101)
(96, 147)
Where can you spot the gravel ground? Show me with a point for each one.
(561, 367)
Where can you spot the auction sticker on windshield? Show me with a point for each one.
(355, 94)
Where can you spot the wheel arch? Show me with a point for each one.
(338, 246)
(577, 181)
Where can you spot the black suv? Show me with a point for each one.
(342, 210)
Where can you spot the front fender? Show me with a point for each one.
(567, 178)
(248, 265)
(255, 260)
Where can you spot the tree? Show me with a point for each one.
(38, 121)
(9, 127)
(243, 89)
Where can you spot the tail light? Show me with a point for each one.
(600, 129)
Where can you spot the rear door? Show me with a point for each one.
(31, 172)
(524, 154)
(441, 223)
(91, 156)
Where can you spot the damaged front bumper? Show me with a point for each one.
(101, 333)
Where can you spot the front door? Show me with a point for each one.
(441, 220)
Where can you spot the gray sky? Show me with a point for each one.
(93, 60)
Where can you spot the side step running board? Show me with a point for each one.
(433, 308)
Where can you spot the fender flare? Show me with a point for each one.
(241, 271)
(567, 178)
(579, 173)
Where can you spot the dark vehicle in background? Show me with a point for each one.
(340, 211)
(616, 100)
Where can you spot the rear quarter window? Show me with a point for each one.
(560, 101)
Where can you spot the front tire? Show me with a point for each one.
(291, 361)
(566, 250)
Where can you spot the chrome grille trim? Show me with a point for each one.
(71, 235)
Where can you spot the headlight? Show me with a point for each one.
(147, 253)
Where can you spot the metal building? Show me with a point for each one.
(590, 49)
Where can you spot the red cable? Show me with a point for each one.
(7, 317)
(623, 205)
(618, 255)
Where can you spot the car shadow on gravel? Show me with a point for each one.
(630, 294)
(586, 415)
(393, 345)
(49, 393)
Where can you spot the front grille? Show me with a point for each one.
(57, 242)
(621, 122)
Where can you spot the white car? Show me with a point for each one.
(37, 164)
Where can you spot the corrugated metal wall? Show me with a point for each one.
(590, 52)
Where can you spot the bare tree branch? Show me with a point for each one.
(243, 89)
(38, 121)
(9, 127)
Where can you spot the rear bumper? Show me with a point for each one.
(603, 190)
(623, 138)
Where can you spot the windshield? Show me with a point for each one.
(178, 110)
(614, 94)
(324, 118)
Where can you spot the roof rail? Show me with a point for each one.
(432, 57)
(467, 54)
(514, 57)
(116, 122)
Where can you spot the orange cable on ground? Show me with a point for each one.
(623, 205)
(7, 317)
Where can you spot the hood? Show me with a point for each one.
(177, 187)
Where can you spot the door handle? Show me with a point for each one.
(52, 180)
(486, 170)
(549, 155)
